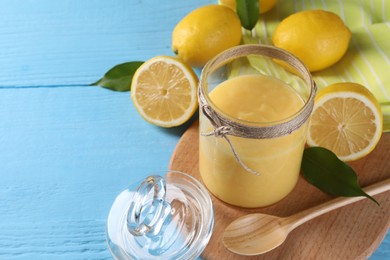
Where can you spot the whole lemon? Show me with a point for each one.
(319, 38)
(204, 33)
(264, 5)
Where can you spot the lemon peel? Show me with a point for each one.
(319, 38)
(205, 32)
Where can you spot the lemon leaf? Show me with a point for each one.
(323, 169)
(119, 77)
(248, 11)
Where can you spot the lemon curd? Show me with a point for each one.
(258, 101)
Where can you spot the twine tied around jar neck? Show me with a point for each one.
(225, 127)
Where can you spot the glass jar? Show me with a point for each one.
(163, 217)
(255, 103)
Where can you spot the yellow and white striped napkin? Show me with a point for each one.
(367, 60)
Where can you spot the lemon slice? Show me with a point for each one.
(347, 120)
(164, 91)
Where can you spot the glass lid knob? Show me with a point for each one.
(168, 217)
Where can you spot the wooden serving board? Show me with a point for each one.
(352, 232)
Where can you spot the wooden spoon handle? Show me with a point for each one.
(308, 214)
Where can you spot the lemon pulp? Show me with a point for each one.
(347, 120)
(164, 91)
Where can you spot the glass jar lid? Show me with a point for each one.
(164, 217)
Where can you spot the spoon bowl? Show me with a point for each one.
(258, 233)
(263, 238)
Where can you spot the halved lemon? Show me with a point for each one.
(347, 120)
(164, 91)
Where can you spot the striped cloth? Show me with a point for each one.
(367, 60)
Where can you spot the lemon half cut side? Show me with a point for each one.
(347, 120)
(164, 91)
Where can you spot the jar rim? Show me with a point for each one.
(262, 50)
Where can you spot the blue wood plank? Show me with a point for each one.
(65, 154)
(66, 150)
(74, 42)
(54, 240)
(78, 138)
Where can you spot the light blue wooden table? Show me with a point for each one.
(67, 149)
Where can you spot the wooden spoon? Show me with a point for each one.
(255, 234)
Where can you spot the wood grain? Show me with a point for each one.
(56, 43)
(352, 232)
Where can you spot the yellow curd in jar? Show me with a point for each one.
(259, 101)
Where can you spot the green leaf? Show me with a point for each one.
(119, 77)
(248, 11)
(324, 170)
